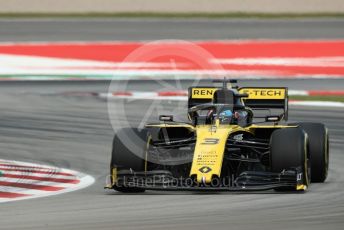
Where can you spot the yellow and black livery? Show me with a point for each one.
(236, 139)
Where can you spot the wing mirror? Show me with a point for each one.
(166, 118)
(275, 118)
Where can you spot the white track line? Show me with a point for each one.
(318, 103)
(152, 96)
(284, 61)
(35, 182)
(38, 175)
(46, 67)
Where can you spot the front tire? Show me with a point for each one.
(288, 149)
(128, 153)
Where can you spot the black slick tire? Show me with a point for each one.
(288, 149)
(318, 149)
(128, 153)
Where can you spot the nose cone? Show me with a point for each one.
(209, 151)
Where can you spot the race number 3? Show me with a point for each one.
(210, 141)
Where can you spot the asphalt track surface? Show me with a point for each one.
(39, 123)
(85, 29)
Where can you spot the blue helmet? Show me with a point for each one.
(226, 114)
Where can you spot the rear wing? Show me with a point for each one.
(200, 95)
(266, 98)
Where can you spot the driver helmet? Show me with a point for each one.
(226, 115)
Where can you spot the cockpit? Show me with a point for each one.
(225, 115)
(226, 107)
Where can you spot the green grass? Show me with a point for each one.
(174, 15)
(317, 98)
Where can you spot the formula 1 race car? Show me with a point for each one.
(237, 139)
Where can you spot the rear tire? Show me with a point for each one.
(128, 153)
(318, 149)
(288, 149)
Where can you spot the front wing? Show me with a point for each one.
(246, 181)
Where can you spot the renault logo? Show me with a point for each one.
(204, 169)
